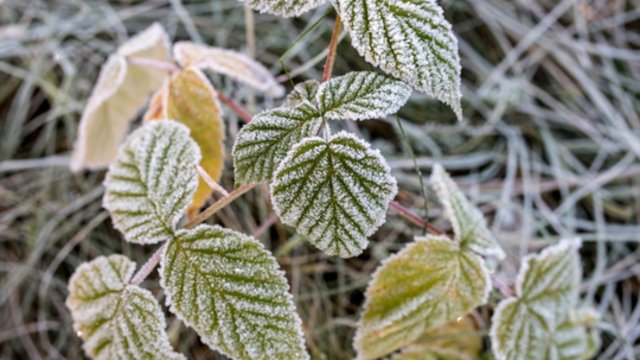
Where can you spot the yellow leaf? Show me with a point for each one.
(230, 63)
(189, 98)
(121, 90)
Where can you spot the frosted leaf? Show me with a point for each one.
(227, 62)
(361, 95)
(265, 141)
(335, 192)
(152, 181)
(286, 8)
(535, 323)
(457, 340)
(426, 285)
(467, 220)
(227, 287)
(121, 90)
(409, 39)
(189, 98)
(304, 91)
(114, 319)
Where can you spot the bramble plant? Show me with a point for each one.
(332, 188)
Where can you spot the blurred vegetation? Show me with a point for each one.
(550, 149)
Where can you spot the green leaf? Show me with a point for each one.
(458, 340)
(361, 95)
(335, 192)
(304, 91)
(227, 287)
(535, 324)
(285, 8)
(409, 39)
(152, 181)
(467, 220)
(265, 141)
(121, 90)
(114, 319)
(426, 285)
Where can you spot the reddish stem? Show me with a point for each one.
(237, 109)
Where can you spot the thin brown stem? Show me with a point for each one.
(237, 109)
(333, 46)
(219, 205)
(414, 218)
(148, 267)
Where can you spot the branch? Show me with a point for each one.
(333, 46)
(414, 218)
(237, 109)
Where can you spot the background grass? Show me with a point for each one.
(550, 149)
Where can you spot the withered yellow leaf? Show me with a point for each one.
(121, 90)
(189, 98)
(226, 62)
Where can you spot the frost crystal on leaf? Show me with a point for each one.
(121, 90)
(361, 95)
(335, 192)
(227, 287)
(286, 8)
(458, 340)
(152, 181)
(537, 323)
(227, 62)
(116, 320)
(409, 39)
(265, 141)
(426, 285)
(468, 222)
(304, 91)
(189, 98)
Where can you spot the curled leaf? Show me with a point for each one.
(121, 90)
(116, 320)
(227, 62)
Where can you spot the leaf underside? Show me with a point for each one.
(189, 98)
(536, 324)
(262, 144)
(227, 287)
(121, 90)
(466, 219)
(426, 285)
(114, 319)
(152, 181)
(286, 8)
(335, 192)
(410, 40)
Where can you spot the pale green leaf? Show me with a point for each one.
(409, 39)
(335, 192)
(227, 287)
(227, 62)
(114, 319)
(426, 285)
(361, 95)
(262, 144)
(536, 324)
(285, 8)
(121, 90)
(304, 91)
(152, 181)
(467, 220)
(458, 340)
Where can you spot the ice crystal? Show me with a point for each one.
(152, 181)
(409, 39)
(426, 285)
(114, 319)
(227, 287)
(189, 98)
(121, 90)
(335, 192)
(285, 8)
(467, 220)
(537, 322)
(361, 95)
(265, 141)
(227, 62)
